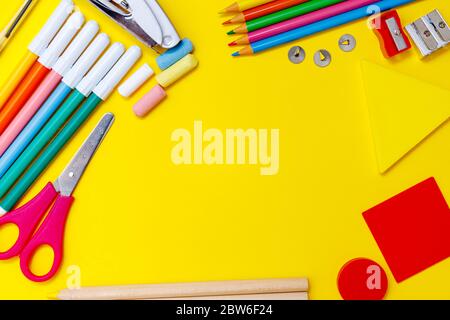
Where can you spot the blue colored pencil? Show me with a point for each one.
(320, 26)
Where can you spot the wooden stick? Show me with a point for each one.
(185, 290)
(254, 297)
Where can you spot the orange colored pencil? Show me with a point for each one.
(263, 10)
(243, 5)
(242, 41)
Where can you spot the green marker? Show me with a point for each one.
(100, 94)
(284, 15)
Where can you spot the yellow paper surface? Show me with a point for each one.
(139, 218)
(397, 126)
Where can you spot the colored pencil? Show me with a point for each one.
(283, 15)
(20, 16)
(35, 49)
(301, 21)
(317, 27)
(243, 5)
(187, 290)
(263, 10)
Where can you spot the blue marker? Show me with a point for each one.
(69, 82)
(320, 26)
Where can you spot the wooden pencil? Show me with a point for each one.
(263, 10)
(186, 290)
(283, 15)
(255, 297)
(20, 16)
(243, 5)
(317, 27)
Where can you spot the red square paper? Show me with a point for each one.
(412, 229)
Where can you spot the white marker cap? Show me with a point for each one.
(100, 69)
(86, 61)
(76, 48)
(62, 39)
(51, 27)
(112, 79)
(136, 81)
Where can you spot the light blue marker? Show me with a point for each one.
(69, 82)
(325, 24)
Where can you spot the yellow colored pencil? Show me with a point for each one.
(243, 5)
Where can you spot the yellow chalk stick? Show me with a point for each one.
(177, 71)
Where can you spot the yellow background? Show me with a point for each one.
(140, 219)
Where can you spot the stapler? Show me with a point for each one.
(145, 19)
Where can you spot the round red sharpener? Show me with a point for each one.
(362, 279)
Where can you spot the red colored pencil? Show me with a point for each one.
(263, 10)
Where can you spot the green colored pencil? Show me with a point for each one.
(283, 15)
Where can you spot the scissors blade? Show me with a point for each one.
(68, 180)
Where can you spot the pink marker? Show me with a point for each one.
(304, 20)
(60, 66)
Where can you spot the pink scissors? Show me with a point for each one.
(51, 231)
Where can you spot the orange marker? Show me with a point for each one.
(36, 49)
(39, 70)
(32, 79)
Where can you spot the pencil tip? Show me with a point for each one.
(236, 54)
(226, 22)
(230, 33)
(232, 44)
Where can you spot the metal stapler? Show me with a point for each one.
(145, 19)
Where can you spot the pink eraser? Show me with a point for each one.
(149, 101)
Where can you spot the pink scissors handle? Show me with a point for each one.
(50, 233)
(26, 218)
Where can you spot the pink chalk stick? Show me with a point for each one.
(307, 19)
(149, 101)
(29, 109)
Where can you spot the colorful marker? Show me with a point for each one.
(263, 10)
(242, 5)
(36, 48)
(40, 70)
(320, 26)
(100, 94)
(301, 21)
(284, 15)
(69, 82)
(51, 81)
(83, 90)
